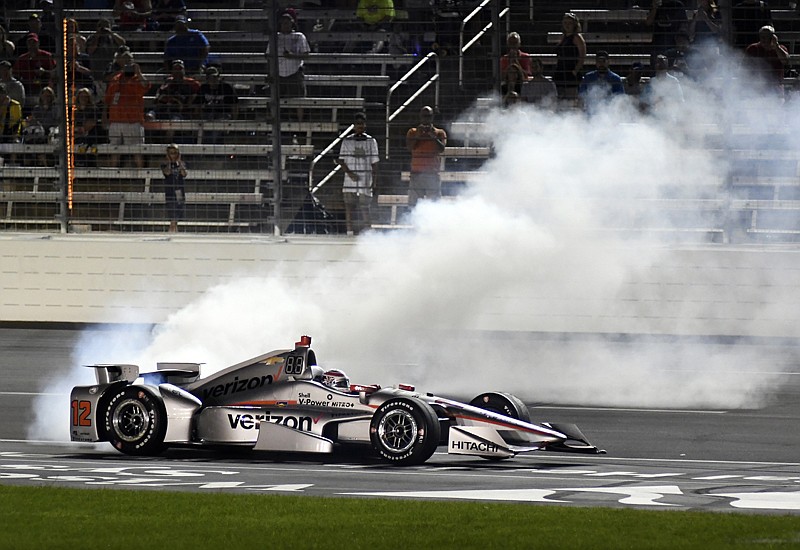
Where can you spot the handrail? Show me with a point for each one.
(319, 157)
(433, 79)
(462, 48)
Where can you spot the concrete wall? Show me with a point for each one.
(703, 290)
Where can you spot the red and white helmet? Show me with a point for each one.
(336, 379)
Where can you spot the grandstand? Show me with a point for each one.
(255, 173)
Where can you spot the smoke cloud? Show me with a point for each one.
(423, 306)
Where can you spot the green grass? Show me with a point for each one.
(47, 518)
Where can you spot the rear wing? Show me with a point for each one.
(107, 374)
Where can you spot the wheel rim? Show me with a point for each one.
(397, 431)
(130, 420)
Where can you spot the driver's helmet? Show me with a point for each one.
(336, 379)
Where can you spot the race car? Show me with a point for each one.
(283, 401)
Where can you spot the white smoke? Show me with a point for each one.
(421, 306)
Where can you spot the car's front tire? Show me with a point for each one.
(405, 431)
(136, 421)
(502, 403)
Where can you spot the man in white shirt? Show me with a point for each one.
(292, 48)
(358, 157)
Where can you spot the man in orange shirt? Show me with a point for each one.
(426, 143)
(123, 114)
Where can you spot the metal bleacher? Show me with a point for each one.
(232, 183)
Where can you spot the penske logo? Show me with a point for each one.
(252, 421)
(237, 385)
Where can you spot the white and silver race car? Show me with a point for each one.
(282, 401)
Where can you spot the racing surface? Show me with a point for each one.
(743, 460)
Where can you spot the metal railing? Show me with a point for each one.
(432, 81)
(462, 48)
(314, 188)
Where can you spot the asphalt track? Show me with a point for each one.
(716, 460)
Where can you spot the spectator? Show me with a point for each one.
(600, 85)
(85, 128)
(511, 99)
(166, 11)
(174, 170)
(7, 47)
(539, 90)
(216, 99)
(188, 45)
(747, 18)
(101, 46)
(43, 120)
(513, 78)
(48, 18)
(633, 81)
(292, 49)
(667, 17)
(79, 75)
(34, 69)
(122, 59)
(358, 157)
(705, 28)
(74, 32)
(123, 112)
(570, 56)
(131, 15)
(663, 92)
(176, 98)
(768, 58)
(46, 41)
(10, 117)
(375, 12)
(375, 16)
(515, 56)
(426, 144)
(42, 124)
(690, 61)
(13, 86)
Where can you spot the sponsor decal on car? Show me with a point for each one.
(236, 385)
(253, 421)
(305, 399)
(473, 447)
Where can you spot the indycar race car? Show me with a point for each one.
(283, 401)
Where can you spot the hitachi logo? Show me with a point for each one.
(236, 385)
(473, 447)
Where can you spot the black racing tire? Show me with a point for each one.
(404, 431)
(502, 403)
(136, 421)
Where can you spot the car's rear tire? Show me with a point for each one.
(502, 403)
(405, 431)
(136, 421)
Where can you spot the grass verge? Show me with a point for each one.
(45, 517)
